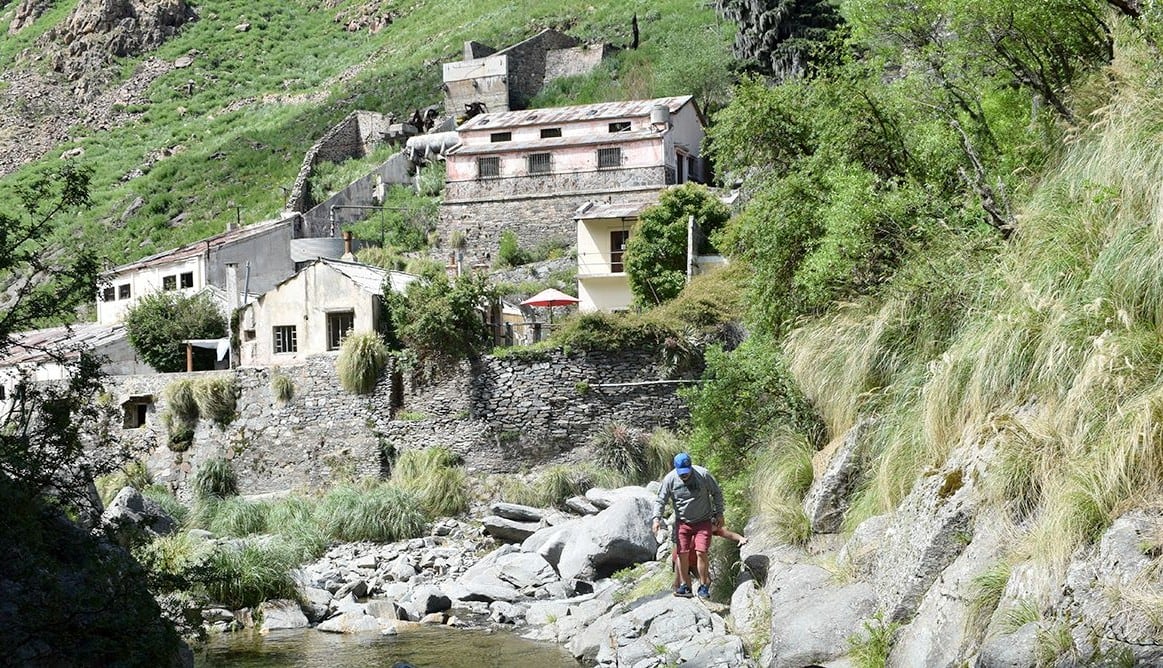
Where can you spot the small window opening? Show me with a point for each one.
(550, 133)
(620, 126)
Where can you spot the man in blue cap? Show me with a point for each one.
(698, 510)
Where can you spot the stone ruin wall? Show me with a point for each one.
(350, 138)
(499, 414)
(538, 211)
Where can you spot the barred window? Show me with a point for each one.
(124, 291)
(286, 339)
(609, 157)
(107, 294)
(169, 282)
(188, 279)
(488, 167)
(539, 163)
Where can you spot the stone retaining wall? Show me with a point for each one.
(498, 414)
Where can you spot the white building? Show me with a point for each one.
(311, 312)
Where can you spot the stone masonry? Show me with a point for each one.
(499, 414)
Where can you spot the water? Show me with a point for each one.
(424, 647)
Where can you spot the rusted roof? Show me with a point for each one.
(572, 114)
(38, 346)
(199, 247)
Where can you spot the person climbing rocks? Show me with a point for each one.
(698, 509)
(721, 531)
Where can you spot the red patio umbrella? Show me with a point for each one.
(550, 298)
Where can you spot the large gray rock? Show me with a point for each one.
(812, 616)
(944, 631)
(516, 512)
(1114, 588)
(1010, 650)
(473, 591)
(827, 498)
(551, 541)
(625, 637)
(132, 518)
(281, 614)
(351, 622)
(507, 530)
(926, 534)
(749, 609)
(425, 600)
(615, 538)
(604, 498)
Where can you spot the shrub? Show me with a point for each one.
(434, 476)
(440, 319)
(621, 448)
(656, 252)
(246, 575)
(166, 499)
(282, 387)
(238, 517)
(661, 447)
(214, 479)
(383, 513)
(509, 253)
(158, 323)
(217, 397)
(180, 399)
(362, 359)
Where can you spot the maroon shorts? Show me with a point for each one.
(695, 537)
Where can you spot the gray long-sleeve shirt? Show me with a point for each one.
(696, 500)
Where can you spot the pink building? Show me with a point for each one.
(529, 170)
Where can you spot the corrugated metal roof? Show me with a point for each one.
(199, 247)
(555, 142)
(597, 211)
(581, 112)
(369, 278)
(38, 346)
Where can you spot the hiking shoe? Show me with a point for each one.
(704, 592)
(683, 591)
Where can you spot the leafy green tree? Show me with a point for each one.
(655, 257)
(781, 37)
(442, 319)
(158, 323)
(68, 600)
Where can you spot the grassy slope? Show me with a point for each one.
(262, 97)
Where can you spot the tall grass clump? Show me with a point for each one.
(619, 447)
(238, 517)
(381, 513)
(282, 387)
(660, 450)
(214, 480)
(217, 398)
(435, 477)
(782, 475)
(133, 474)
(245, 575)
(362, 358)
(870, 649)
(180, 400)
(169, 503)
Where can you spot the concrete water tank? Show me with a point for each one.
(306, 250)
(660, 117)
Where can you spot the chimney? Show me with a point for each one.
(232, 286)
(347, 254)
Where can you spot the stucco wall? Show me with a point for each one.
(361, 192)
(304, 302)
(268, 255)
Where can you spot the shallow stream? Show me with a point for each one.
(422, 647)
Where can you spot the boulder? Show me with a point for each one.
(604, 498)
(516, 512)
(524, 570)
(749, 608)
(503, 612)
(281, 614)
(472, 591)
(401, 570)
(925, 535)
(827, 498)
(316, 604)
(1010, 650)
(510, 531)
(425, 600)
(581, 505)
(615, 538)
(944, 631)
(350, 622)
(546, 612)
(550, 541)
(132, 518)
(812, 616)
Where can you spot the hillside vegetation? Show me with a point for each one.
(231, 129)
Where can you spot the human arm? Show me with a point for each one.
(717, 507)
(660, 501)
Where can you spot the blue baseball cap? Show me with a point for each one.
(682, 463)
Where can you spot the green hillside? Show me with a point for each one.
(261, 97)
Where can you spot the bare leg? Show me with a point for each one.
(684, 565)
(704, 568)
